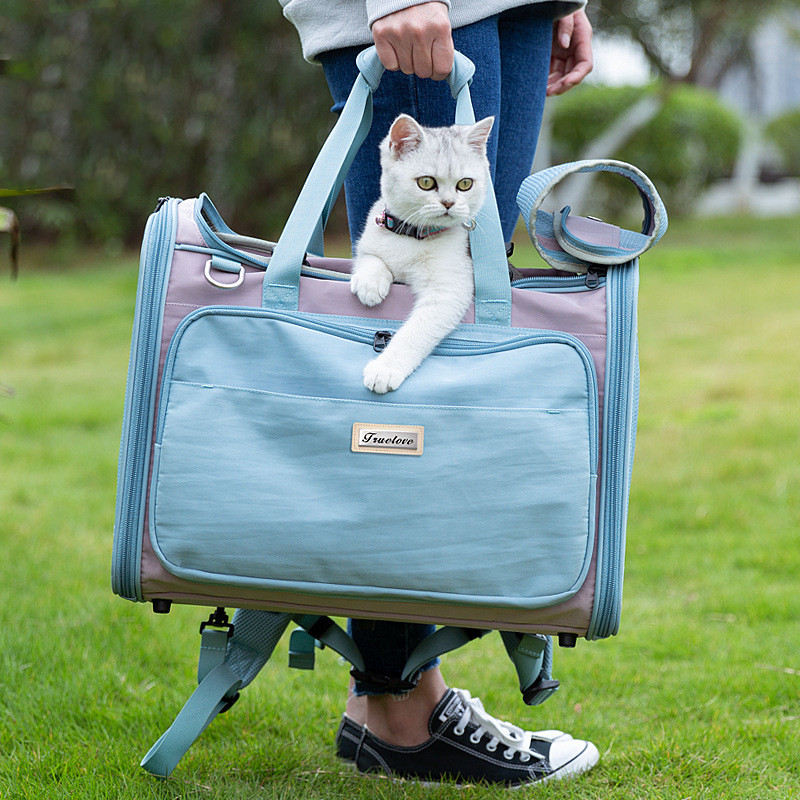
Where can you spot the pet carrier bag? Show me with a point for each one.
(489, 492)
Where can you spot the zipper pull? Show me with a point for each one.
(593, 275)
(381, 339)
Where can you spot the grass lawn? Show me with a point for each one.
(698, 697)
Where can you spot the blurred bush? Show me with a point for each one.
(784, 133)
(691, 141)
(126, 101)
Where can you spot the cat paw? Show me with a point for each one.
(370, 289)
(380, 377)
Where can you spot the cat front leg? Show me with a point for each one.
(386, 372)
(432, 318)
(370, 280)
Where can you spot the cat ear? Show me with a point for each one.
(478, 134)
(405, 135)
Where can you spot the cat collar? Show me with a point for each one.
(397, 225)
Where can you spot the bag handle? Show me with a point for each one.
(281, 288)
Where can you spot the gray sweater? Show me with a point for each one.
(331, 24)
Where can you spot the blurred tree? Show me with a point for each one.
(130, 100)
(696, 41)
(689, 140)
(10, 224)
(784, 133)
(686, 42)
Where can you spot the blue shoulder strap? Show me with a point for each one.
(576, 244)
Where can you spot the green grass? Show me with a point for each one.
(698, 697)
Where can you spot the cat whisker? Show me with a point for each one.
(418, 217)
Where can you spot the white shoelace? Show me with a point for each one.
(515, 739)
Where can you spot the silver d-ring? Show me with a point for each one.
(470, 224)
(238, 282)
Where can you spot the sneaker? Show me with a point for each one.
(348, 738)
(469, 745)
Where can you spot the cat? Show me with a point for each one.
(433, 183)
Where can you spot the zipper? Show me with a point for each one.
(156, 259)
(593, 276)
(619, 419)
(566, 283)
(452, 345)
(562, 283)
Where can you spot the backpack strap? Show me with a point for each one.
(577, 244)
(532, 656)
(441, 641)
(327, 632)
(231, 655)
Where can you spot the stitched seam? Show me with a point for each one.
(339, 400)
(367, 749)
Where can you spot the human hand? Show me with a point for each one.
(416, 40)
(571, 58)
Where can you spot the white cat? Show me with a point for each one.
(433, 183)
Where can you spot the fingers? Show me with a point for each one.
(442, 53)
(571, 59)
(416, 40)
(562, 35)
(386, 53)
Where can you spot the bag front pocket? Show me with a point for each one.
(481, 492)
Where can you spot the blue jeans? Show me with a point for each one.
(511, 52)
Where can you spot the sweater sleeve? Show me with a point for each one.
(381, 8)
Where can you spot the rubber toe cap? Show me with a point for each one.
(570, 756)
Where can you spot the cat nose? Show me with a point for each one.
(448, 204)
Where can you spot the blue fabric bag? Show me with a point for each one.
(489, 491)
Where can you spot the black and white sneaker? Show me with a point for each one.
(469, 745)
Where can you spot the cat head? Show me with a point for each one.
(435, 176)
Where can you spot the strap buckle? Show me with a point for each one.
(229, 701)
(387, 683)
(539, 691)
(219, 621)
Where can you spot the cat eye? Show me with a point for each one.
(464, 184)
(426, 183)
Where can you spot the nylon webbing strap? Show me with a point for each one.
(330, 634)
(441, 641)
(226, 664)
(576, 243)
(213, 646)
(210, 697)
(281, 284)
(532, 656)
(303, 229)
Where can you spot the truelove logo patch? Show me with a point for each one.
(401, 440)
